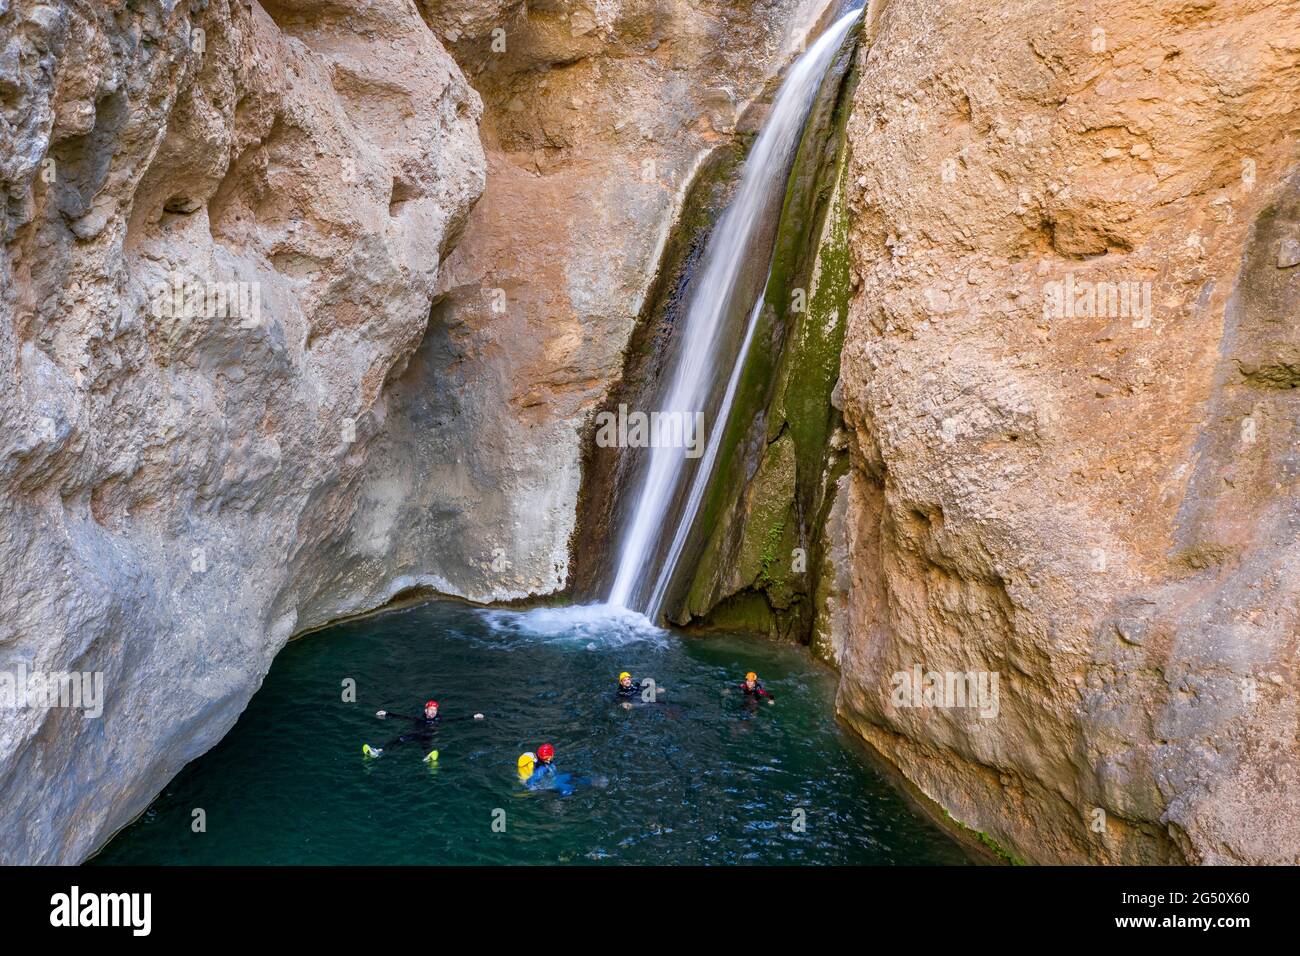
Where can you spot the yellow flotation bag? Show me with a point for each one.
(525, 765)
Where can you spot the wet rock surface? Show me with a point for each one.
(597, 120)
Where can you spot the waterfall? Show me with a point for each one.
(702, 348)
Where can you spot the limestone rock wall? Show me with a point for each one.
(176, 482)
(383, 379)
(597, 118)
(1094, 500)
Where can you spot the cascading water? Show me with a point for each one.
(643, 575)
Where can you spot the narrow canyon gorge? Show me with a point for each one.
(1022, 399)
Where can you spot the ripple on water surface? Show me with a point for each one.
(698, 777)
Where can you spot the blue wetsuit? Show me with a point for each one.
(543, 776)
(546, 777)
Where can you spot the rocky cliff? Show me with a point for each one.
(598, 118)
(1060, 577)
(230, 412)
(1070, 378)
(308, 303)
(224, 223)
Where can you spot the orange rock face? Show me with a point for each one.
(1070, 375)
(597, 116)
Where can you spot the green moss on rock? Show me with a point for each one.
(764, 511)
(992, 844)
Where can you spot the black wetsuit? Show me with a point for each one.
(756, 693)
(632, 691)
(422, 729)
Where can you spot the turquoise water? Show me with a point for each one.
(696, 778)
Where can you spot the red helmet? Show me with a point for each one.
(430, 703)
(545, 752)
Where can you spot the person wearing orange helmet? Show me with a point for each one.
(754, 691)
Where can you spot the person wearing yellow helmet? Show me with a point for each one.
(754, 690)
(526, 763)
(629, 688)
(537, 771)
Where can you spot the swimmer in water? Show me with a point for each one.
(754, 691)
(422, 730)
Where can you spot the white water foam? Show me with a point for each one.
(583, 625)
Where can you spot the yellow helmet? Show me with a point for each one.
(751, 676)
(525, 765)
(624, 674)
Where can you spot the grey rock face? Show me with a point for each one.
(222, 234)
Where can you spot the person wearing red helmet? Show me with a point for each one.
(422, 730)
(538, 772)
(543, 774)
